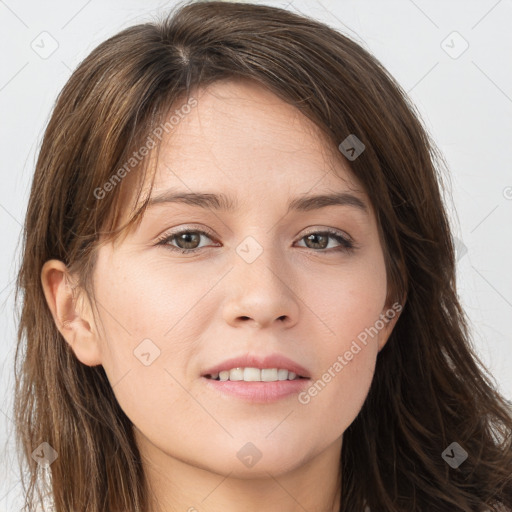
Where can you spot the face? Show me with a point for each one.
(279, 278)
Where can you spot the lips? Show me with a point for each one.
(262, 362)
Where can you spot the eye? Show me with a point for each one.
(321, 238)
(187, 240)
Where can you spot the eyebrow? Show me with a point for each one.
(222, 202)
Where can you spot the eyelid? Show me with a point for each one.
(345, 241)
(186, 228)
(346, 244)
(210, 233)
(331, 231)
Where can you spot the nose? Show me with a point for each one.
(262, 293)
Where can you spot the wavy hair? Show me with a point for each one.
(429, 389)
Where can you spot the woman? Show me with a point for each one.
(239, 284)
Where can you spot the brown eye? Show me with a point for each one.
(319, 241)
(186, 240)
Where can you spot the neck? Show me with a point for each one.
(177, 485)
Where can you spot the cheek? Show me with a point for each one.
(348, 300)
(337, 394)
(350, 305)
(143, 311)
(146, 333)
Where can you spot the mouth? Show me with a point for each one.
(261, 379)
(250, 374)
(256, 385)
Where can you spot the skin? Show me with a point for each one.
(200, 309)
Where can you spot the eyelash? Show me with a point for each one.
(347, 245)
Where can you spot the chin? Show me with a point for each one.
(248, 460)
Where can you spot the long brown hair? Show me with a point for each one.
(429, 388)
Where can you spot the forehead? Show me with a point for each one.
(241, 135)
(242, 141)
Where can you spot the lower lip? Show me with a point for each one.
(259, 392)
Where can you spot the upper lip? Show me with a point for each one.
(255, 361)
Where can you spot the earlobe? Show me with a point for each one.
(389, 316)
(386, 331)
(73, 318)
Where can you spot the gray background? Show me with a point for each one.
(464, 96)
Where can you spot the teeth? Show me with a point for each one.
(269, 374)
(250, 374)
(254, 375)
(282, 374)
(236, 374)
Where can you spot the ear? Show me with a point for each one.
(389, 317)
(73, 317)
